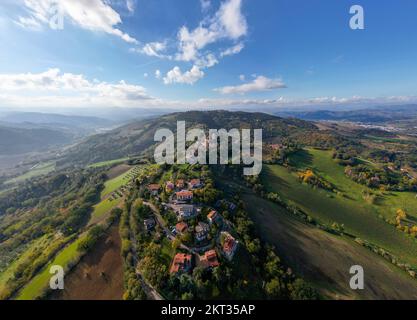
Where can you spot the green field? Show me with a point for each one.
(108, 163)
(40, 282)
(9, 272)
(104, 207)
(114, 184)
(360, 218)
(70, 254)
(41, 169)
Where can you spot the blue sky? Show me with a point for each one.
(202, 53)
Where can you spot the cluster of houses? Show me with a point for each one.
(228, 245)
(181, 196)
(185, 262)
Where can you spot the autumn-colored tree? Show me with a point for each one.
(401, 215)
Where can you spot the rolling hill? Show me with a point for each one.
(136, 137)
(19, 140)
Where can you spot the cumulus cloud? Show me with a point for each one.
(231, 19)
(193, 46)
(158, 74)
(54, 83)
(207, 61)
(260, 83)
(94, 15)
(153, 49)
(227, 23)
(232, 50)
(189, 77)
(55, 89)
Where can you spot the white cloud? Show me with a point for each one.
(207, 62)
(54, 83)
(55, 89)
(227, 23)
(193, 45)
(260, 83)
(131, 5)
(242, 77)
(232, 50)
(189, 77)
(158, 74)
(29, 23)
(153, 49)
(94, 15)
(145, 75)
(231, 19)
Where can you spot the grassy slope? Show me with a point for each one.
(9, 272)
(107, 163)
(69, 254)
(41, 281)
(42, 169)
(324, 259)
(114, 184)
(359, 218)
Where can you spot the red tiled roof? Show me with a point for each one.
(154, 187)
(210, 259)
(184, 193)
(179, 262)
(181, 227)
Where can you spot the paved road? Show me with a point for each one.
(163, 225)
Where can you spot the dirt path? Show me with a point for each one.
(324, 259)
(99, 275)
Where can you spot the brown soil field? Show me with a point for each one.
(99, 274)
(118, 170)
(324, 259)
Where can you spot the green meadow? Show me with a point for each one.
(118, 182)
(8, 273)
(40, 282)
(108, 163)
(104, 207)
(347, 207)
(41, 169)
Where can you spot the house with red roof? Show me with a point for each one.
(209, 259)
(229, 246)
(195, 183)
(181, 263)
(184, 195)
(181, 227)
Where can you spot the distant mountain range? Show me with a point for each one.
(51, 119)
(23, 132)
(370, 115)
(19, 140)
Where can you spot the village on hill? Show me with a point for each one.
(203, 233)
